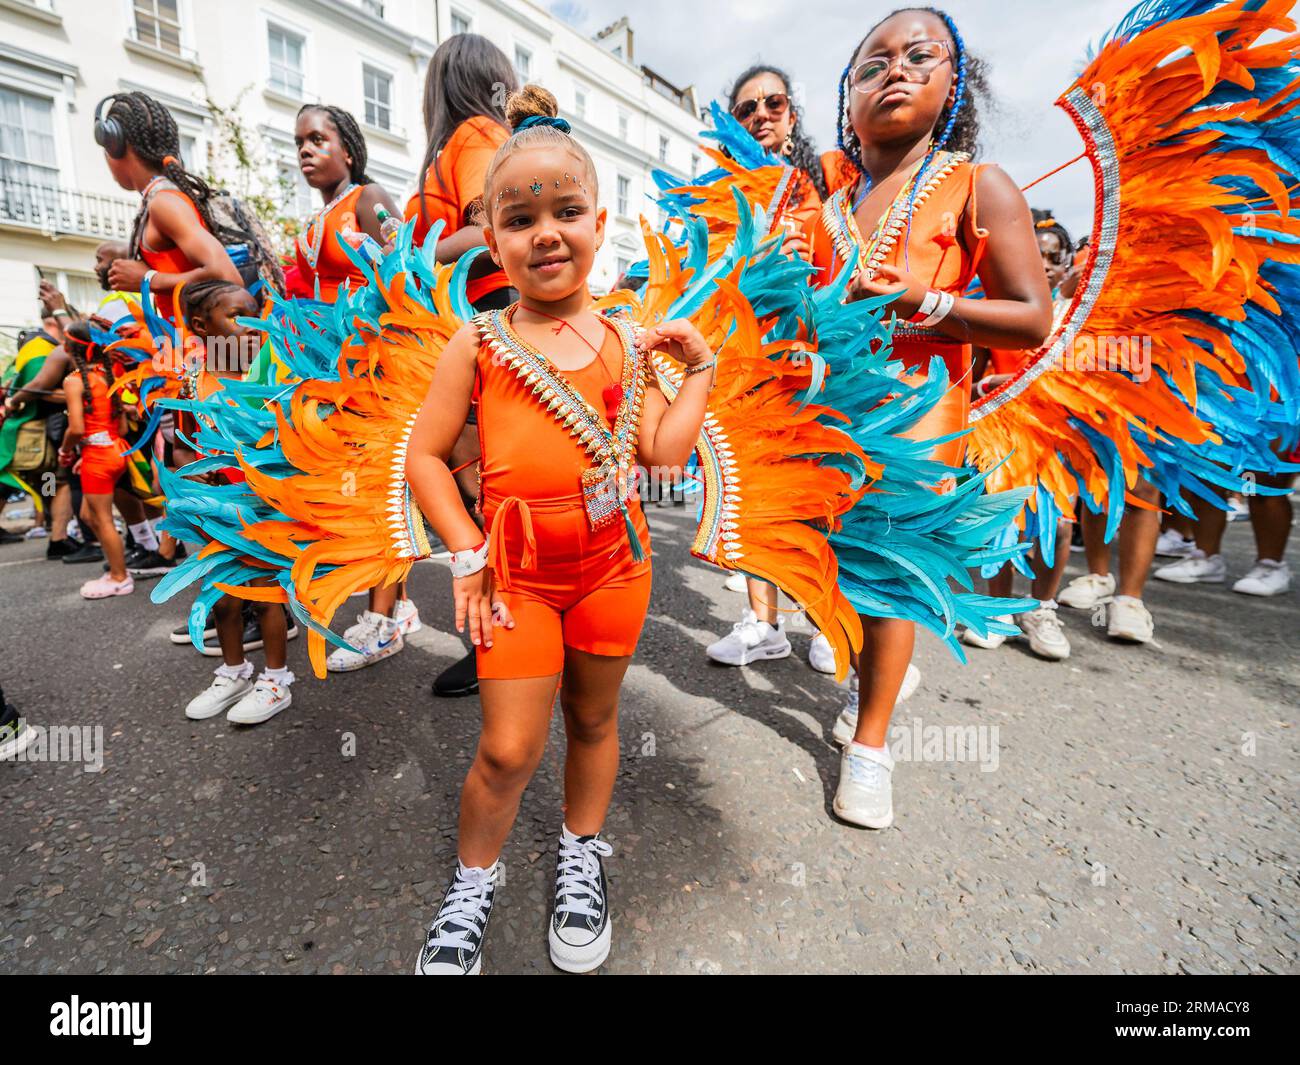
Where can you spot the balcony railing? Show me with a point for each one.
(55, 211)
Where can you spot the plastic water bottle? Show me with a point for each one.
(388, 225)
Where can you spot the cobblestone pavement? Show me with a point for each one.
(1138, 813)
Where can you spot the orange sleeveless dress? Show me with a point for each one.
(102, 448)
(566, 584)
(935, 254)
(317, 250)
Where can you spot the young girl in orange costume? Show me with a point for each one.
(923, 221)
(96, 425)
(557, 593)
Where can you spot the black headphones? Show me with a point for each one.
(109, 134)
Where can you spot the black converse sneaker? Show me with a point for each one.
(580, 925)
(453, 946)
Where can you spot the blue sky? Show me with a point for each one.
(1035, 48)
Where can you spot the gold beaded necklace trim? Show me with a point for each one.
(610, 481)
(838, 215)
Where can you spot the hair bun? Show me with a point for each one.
(529, 102)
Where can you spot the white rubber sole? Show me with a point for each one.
(220, 708)
(581, 959)
(1191, 580)
(182, 640)
(763, 654)
(1262, 595)
(1123, 636)
(474, 970)
(862, 822)
(265, 715)
(1047, 653)
(989, 643)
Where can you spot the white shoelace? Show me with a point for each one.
(578, 876)
(466, 905)
(866, 771)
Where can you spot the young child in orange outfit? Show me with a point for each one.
(557, 593)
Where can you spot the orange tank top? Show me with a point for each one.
(170, 260)
(99, 417)
(933, 250)
(318, 253)
(527, 451)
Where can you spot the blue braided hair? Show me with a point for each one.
(960, 121)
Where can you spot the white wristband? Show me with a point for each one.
(468, 563)
(946, 300)
(148, 278)
(928, 305)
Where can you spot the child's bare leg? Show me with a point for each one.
(516, 719)
(589, 699)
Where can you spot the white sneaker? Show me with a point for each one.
(407, 617)
(1196, 568)
(1128, 620)
(1046, 637)
(375, 638)
(266, 700)
(223, 693)
(1084, 593)
(865, 795)
(820, 654)
(846, 725)
(736, 582)
(992, 641)
(750, 640)
(1266, 577)
(1173, 544)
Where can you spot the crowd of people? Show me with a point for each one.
(537, 512)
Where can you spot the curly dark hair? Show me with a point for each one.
(86, 355)
(350, 136)
(957, 128)
(803, 152)
(149, 128)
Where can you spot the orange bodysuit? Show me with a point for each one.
(565, 583)
(935, 254)
(171, 260)
(318, 253)
(454, 183)
(102, 448)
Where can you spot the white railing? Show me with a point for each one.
(56, 211)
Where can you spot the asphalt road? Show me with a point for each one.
(1137, 814)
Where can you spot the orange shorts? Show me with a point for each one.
(565, 584)
(101, 467)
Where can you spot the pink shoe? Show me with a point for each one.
(104, 587)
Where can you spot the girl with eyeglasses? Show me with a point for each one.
(921, 221)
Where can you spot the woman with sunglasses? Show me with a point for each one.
(921, 221)
(761, 100)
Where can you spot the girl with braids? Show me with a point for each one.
(172, 241)
(922, 221)
(465, 89)
(96, 424)
(332, 157)
(761, 99)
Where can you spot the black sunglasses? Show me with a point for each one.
(775, 102)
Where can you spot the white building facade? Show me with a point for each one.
(235, 72)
